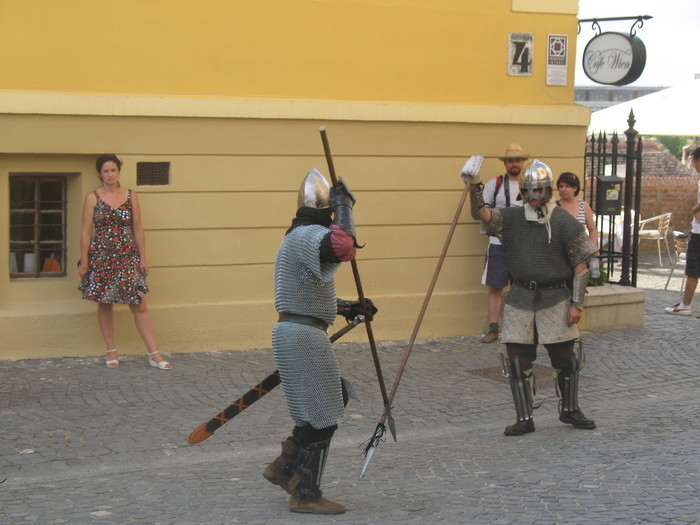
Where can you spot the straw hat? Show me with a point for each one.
(514, 151)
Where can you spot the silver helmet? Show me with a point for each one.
(537, 176)
(314, 191)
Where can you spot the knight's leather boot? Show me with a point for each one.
(521, 427)
(281, 470)
(319, 505)
(492, 335)
(577, 419)
(306, 484)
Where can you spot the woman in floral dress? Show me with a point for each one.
(113, 265)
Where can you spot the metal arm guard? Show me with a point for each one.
(342, 201)
(566, 381)
(579, 291)
(521, 386)
(476, 198)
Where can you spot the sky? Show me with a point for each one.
(671, 37)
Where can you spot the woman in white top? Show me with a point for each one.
(569, 187)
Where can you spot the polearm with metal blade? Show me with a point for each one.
(473, 165)
(361, 297)
(263, 388)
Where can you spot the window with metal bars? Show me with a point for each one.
(152, 173)
(37, 224)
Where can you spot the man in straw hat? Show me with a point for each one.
(498, 194)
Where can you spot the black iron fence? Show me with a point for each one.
(615, 199)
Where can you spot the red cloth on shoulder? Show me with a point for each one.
(343, 245)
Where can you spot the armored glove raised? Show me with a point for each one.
(470, 171)
(351, 309)
(341, 195)
(342, 201)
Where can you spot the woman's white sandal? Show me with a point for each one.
(112, 363)
(163, 365)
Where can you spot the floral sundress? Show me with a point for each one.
(113, 274)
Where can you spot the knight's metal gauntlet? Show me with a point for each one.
(579, 291)
(476, 198)
(342, 201)
(352, 309)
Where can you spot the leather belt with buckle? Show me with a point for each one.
(535, 286)
(303, 319)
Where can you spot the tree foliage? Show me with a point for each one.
(673, 143)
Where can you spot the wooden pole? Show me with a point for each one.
(361, 297)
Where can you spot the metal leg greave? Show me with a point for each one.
(567, 381)
(521, 386)
(306, 495)
(567, 389)
(310, 466)
(522, 383)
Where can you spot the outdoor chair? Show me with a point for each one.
(656, 229)
(680, 240)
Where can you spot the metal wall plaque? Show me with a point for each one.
(521, 48)
(557, 61)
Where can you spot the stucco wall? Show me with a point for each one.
(451, 51)
(232, 94)
(213, 232)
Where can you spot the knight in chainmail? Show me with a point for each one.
(322, 235)
(547, 250)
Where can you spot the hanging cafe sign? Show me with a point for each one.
(613, 58)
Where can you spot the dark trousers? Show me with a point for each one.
(560, 354)
(306, 434)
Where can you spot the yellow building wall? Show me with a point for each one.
(239, 125)
(451, 51)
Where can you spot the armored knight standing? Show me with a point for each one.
(546, 247)
(322, 235)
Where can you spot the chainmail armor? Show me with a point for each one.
(308, 367)
(532, 258)
(303, 284)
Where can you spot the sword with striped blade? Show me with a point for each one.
(257, 392)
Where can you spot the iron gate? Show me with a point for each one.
(618, 235)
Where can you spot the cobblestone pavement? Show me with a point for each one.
(83, 444)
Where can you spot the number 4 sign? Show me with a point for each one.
(520, 53)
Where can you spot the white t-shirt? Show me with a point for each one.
(500, 200)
